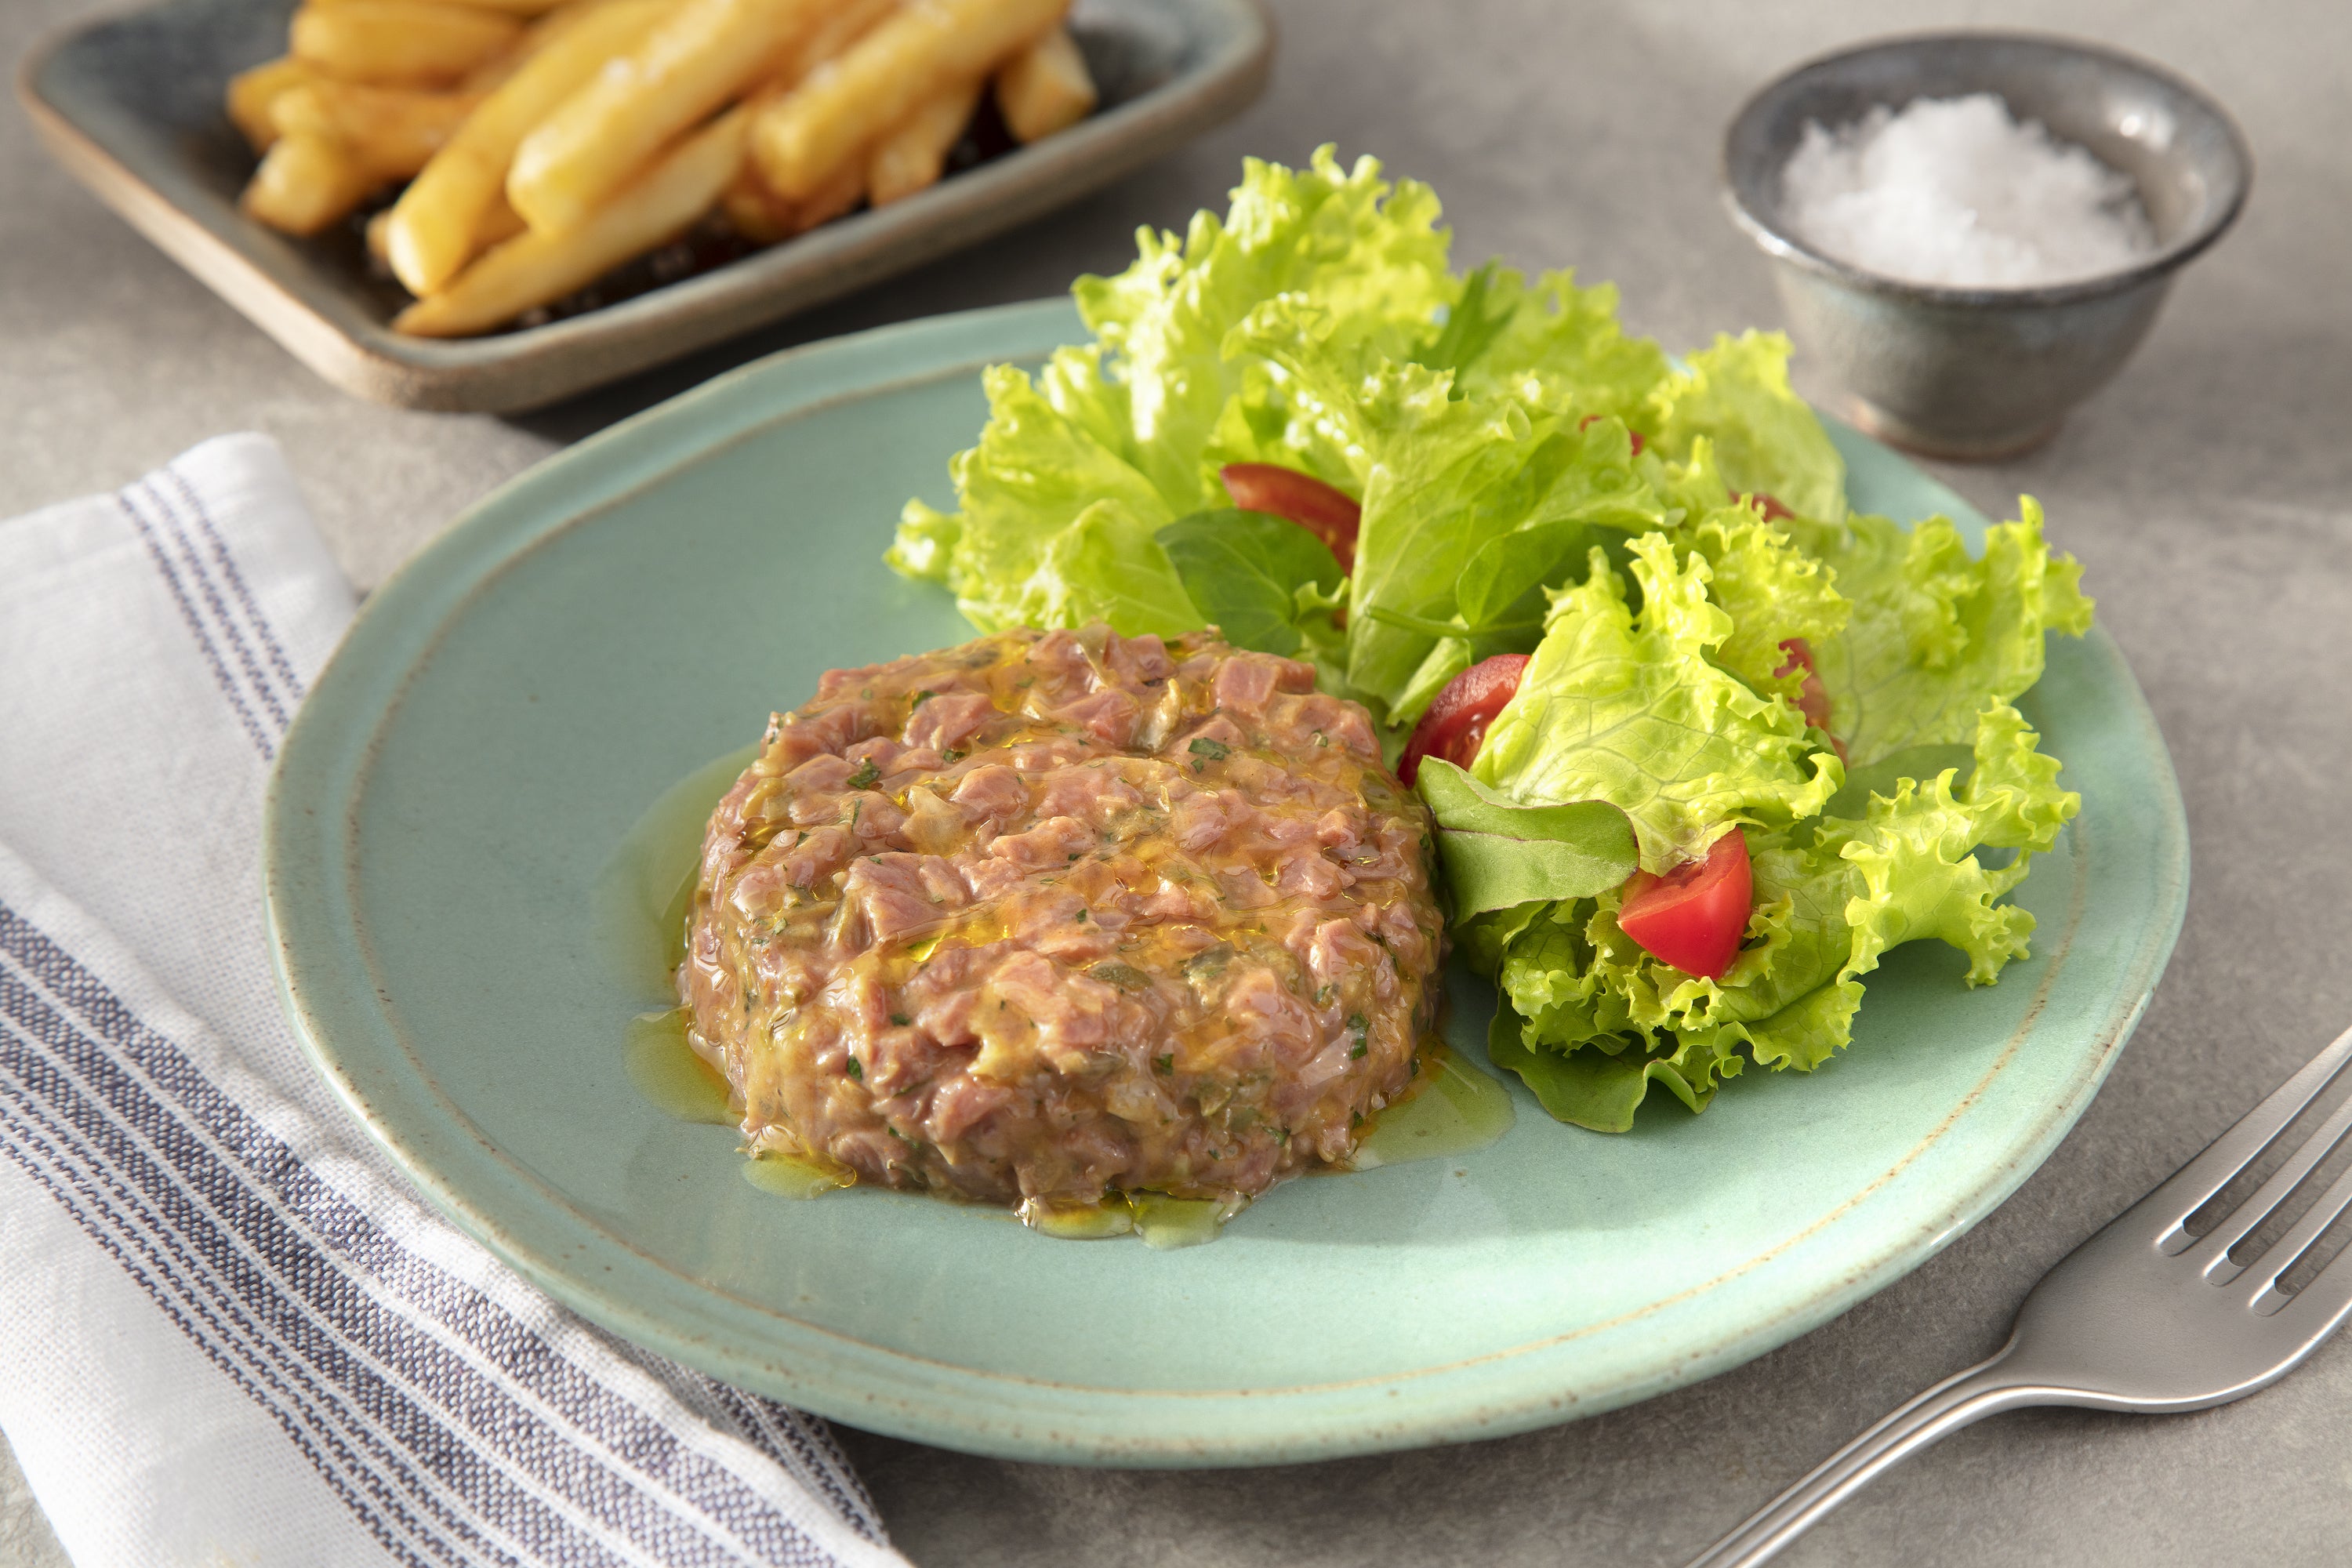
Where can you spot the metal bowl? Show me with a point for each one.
(1987, 373)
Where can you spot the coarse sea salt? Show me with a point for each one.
(1956, 191)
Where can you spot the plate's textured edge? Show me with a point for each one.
(904, 1394)
(510, 372)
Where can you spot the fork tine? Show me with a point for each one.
(2194, 1184)
(2289, 1248)
(2240, 1222)
(2329, 1294)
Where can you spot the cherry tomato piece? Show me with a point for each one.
(1770, 507)
(1586, 423)
(1694, 916)
(1812, 696)
(1331, 515)
(1454, 726)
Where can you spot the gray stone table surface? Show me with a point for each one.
(2208, 494)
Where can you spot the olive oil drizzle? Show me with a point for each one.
(1164, 1223)
(1454, 1109)
(665, 1070)
(789, 1178)
(646, 892)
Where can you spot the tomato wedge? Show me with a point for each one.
(1770, 507)
(1694, 916)
(1327, 513)
(1454, 726)
(1586, 423)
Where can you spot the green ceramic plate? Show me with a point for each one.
(516, 699)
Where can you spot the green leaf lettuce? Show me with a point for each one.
(1934, 635)
(1534, 481)
(1589, 1019)
(1629, 707)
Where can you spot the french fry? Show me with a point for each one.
(804, 138)
(436, 224)
(251, 92)
(536, 266)
(834, 200)
(764, 217)
(851, 21)
(499, 224)
(306, 183)
(699, 57)
(392, 132)
(916, 154)
(491, 74)
(523, 8)
(758, 213)
(542, 34)
(1046, 87)
(398, 43)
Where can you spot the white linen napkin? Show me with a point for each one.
(230, 1331)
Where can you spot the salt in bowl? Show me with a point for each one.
(1975, 373)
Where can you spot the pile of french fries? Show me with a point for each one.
(545, 143)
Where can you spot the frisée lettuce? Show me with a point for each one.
(1714, 645)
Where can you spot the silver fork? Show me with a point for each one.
(2142, 1317)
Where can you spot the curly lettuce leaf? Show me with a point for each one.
(1488, 426)
(1553, 346)
(1591, 1019)
(1106, 566)
(1451, 480)
(1370, 255)
(1934, 636)
(1446, 474)
(1316, 325)
(925, 545)
(1766, 440)
(1632, 708)
(1130, 418)
(1038, 469)
(1271, 420)
(1773, 591)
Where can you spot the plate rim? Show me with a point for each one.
(894, 1391)
(510, 372)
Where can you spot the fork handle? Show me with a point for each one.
(1983, 1390)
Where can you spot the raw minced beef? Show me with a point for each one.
(1049, 916)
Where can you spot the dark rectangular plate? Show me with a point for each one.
(132, 108)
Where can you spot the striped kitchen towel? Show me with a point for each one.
(232, 1333)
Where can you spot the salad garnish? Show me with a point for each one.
(1699, 744)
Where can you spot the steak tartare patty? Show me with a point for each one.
(1053, 915)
